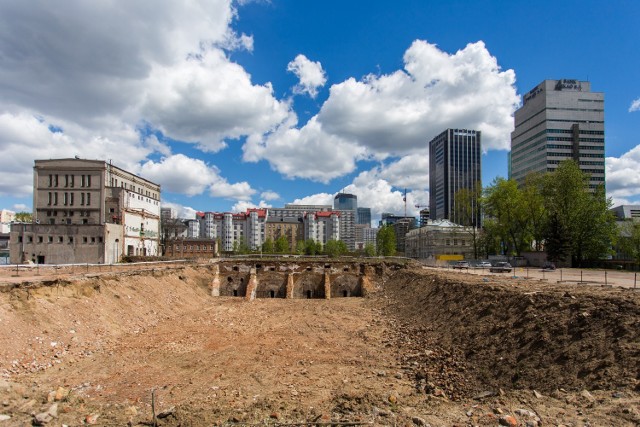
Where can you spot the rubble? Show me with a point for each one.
(429, 350)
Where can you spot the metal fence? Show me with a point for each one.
(561, 275)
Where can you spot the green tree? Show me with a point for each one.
(467, 209)
(584, 215)
(243, 247)
(282, 245)
(311, 247)
(490, 239)
(24, 217)
(370, 249)
(335, 248)
(535, 209)
(630, 240)
(267, 246)
(300, 247)
(504, 202)
(557, 239)
(386, 241)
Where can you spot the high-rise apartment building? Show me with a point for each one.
(454, 164)
(559, 120)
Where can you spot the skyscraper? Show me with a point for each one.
(345, 201)
(454, 164)
(364, 216)
(559, 120)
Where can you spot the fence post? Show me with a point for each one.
(605, 277)
(580, 276)
(635, 276)
(561, 275)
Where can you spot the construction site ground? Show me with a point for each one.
(430, 347)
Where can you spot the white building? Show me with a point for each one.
(439, 240)
(6, 218)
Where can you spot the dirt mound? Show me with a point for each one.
(524, 336)
(428, 350)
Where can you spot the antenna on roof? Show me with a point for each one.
(404, 199)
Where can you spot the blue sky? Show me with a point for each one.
(230, 105)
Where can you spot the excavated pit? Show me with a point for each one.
(421, 346)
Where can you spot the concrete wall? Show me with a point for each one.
(57, 244)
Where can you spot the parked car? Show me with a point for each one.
(501, 267)
(483, 264)
(461, 265)
(548, 266)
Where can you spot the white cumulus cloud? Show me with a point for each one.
(623, 179)
(396, 114)
(305, 153)
(316, 199)
(382, 189)
(635, 106)
(25, 137)
(208, 99)
(80, 78)
(182, 212)
(310, 74)
(270, 195)
(400, 112)
(185, 175)
(243, 205)
(180, 174)
(237, 191)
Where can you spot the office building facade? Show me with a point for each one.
(454, 164)
(559, 120)
(364, 216)
(345, 201)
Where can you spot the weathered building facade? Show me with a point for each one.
(78, 199)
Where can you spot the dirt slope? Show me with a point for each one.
(529, 335)
(428, 349)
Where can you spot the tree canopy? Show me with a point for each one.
(630, 241)
(335, 248)
(557, 211)
(282, 245)
(386, 241)
(504, 202)
(583, 216)
(24, 217)
(267, 246)
(467, 212)
(370, 249)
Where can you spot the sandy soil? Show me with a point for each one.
(431, 348)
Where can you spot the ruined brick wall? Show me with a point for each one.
(296, 278)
